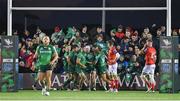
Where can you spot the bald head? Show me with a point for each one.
(46, 40)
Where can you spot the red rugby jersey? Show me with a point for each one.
(150, 55)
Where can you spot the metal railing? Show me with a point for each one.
(103, 9)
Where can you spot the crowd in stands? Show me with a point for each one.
(128, 41)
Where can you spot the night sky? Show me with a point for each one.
(49, 19)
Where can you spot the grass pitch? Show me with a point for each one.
(88, 95)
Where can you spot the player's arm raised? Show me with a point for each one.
(143, 49)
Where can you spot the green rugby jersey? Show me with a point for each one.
(73, 56)
(82, 57)
(90, 58)
(45, 54)
(100, 59)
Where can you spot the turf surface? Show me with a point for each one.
(88, 95)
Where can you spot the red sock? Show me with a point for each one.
(116, 84)
(153, 86)
(111, 85)
(148, 84)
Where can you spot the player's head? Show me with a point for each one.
(67, 48)
(133, 58)
(87, 49)
(149, 43)
(46, 40)
(120, 28)
(110, 43)
(83, 48)
(100, 37)
(75, 48)
(99, 29)
(97, 48)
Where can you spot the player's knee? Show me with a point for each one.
(105, 79)
(143, 76)
(41, 78)
(151, 76)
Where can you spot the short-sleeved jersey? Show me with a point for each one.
(112, 55)
(100, 59)
(65, 58)
(82, 57)
(150, 53)
(89, 58)
(45, 54)
(73, 57)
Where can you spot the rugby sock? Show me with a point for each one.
(42, 84)
(116, 84)
(153, 86)
(147, 83)
(111, 85)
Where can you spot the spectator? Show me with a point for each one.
(0, 61)
(100, 32)
(143, 39)
(146, 31)
(139, 57)
(130, 51)
(100, 42)
(156, 39)
(58, 36)
(179, 32)
(119, 49)
(125, 44)
(134, 65)
(70, 33)
(36, 42)
(128, 34)
(15, 32)
(39, 34)
(134, 39)
(149, 36)
(84, 35)
(26, 36)
(113, 35)
(119, 34)
(29, 45)
(163, 30)
(129, 29)
(174, 32)
(76, 40)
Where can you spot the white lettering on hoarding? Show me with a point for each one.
(135, 81)
(56, 80)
